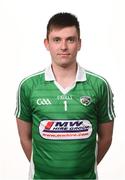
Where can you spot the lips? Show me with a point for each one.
(63, 54)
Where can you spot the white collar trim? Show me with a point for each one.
(80, 75)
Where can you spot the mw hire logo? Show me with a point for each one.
(65, 129)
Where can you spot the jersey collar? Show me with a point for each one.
(80, 75)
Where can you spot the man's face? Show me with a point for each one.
(63, 45)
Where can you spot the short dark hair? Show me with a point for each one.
(61, 20)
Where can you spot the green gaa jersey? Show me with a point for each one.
(64, 123)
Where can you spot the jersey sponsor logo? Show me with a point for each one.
(42, 101)
(65, 129)
(85, 100)
(64, 97)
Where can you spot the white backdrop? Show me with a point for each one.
(22, 31)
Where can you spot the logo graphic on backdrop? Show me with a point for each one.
(65, 129)
(85, 100)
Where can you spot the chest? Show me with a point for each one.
(79, 102)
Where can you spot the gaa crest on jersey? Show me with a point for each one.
(65, 129)
(85, 100)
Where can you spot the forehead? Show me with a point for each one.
(63, 32)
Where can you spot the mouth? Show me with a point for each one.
(64, 54)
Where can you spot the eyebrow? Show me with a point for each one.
(69, 37)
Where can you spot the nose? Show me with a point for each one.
(63, 46)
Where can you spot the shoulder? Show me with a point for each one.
(95, 78)
(32, 80)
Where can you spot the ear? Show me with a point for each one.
(46, 43)
(79, 45)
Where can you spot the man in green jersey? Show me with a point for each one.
(64, 113)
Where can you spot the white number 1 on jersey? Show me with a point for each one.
(65, 105)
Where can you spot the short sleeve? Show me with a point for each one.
(105, 110)
(23, 108)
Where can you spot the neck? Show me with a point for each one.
(65, 76)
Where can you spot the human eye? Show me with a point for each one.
(56, 39)
(71, 39)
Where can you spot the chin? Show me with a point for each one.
(66, 64)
